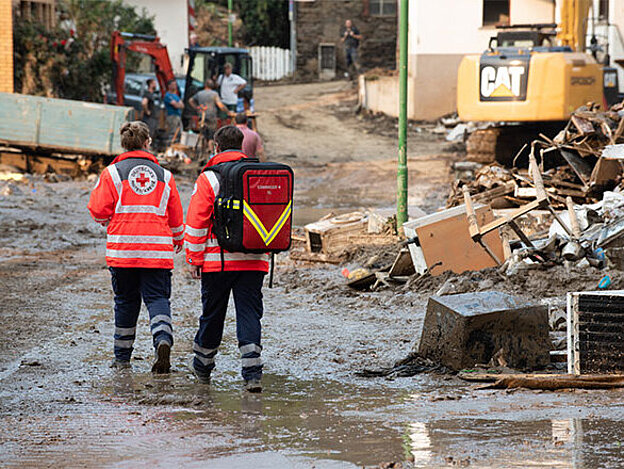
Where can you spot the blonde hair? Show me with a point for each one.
(134, 135)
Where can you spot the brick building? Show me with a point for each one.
(6, 46)
(318, 25)
(42, 11)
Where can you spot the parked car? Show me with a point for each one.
(136, 85)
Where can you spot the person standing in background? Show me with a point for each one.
(351, 37)
(150, 113)
(207, 101)
(173, 106)
(230, 84)
(252, 143)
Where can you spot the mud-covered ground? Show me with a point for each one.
(62, 406)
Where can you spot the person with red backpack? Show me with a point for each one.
(240, 211)
(138, 202)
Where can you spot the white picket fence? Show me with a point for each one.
(270, 63)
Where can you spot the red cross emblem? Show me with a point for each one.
(142, 179)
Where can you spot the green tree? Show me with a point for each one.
(265, 22)
(73, 60)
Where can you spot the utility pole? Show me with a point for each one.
(402, 163)
(292, 16)
(230, 21)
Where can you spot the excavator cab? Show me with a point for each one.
(208, 62)
(529, 39)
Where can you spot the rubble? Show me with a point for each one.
(581, 161)
(330, 238)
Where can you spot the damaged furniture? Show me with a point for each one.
(441, 242)
(461, 331)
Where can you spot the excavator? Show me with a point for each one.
(144, 44)
(530, 79)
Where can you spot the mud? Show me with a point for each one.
(62, 406)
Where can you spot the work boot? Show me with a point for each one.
(162, 364)
(202, 376)
(120, 364)
(253, 385)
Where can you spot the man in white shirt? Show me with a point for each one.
(230, 84)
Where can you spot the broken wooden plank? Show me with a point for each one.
(543, 381)
(583, 125)
(580, 167)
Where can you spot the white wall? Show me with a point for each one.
(455, 26)
(533, 11)
(171, 22)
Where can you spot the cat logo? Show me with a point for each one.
(503, 83)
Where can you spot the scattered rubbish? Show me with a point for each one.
(605, 282)
(412, 365)
(469, 329)
(458, 134)
(328, 239)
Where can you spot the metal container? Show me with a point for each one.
(61, 125)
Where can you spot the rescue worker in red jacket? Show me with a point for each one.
(239, 273)
(138, 202)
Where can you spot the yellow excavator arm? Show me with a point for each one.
(573, 26)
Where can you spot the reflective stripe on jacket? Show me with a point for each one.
(140, 201)
(201, 244)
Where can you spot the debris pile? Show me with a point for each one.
(332, 237)
(581, 161)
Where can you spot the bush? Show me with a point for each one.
(73, 60)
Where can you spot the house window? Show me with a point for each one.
(603, 9)
(495, 12)
(382, 7)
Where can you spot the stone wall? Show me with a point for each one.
(320, 21)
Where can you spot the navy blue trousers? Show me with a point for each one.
(216, 288)
(130, 286)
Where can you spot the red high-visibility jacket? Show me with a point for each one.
(140, 201)
(201, 243)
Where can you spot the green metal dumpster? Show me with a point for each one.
(61, 125)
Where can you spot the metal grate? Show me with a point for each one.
(595, 332)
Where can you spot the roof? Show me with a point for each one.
(220, 50)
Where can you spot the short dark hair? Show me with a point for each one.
(241, 118)
(209, 84)
(150, 81)
(229, 137)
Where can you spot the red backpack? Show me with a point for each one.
(253, 210)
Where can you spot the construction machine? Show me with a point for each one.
(529, 80)
(208, 63)
(144, 44)
(203, 63)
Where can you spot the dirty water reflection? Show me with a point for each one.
(330, 424)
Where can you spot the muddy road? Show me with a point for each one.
(62, 406)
